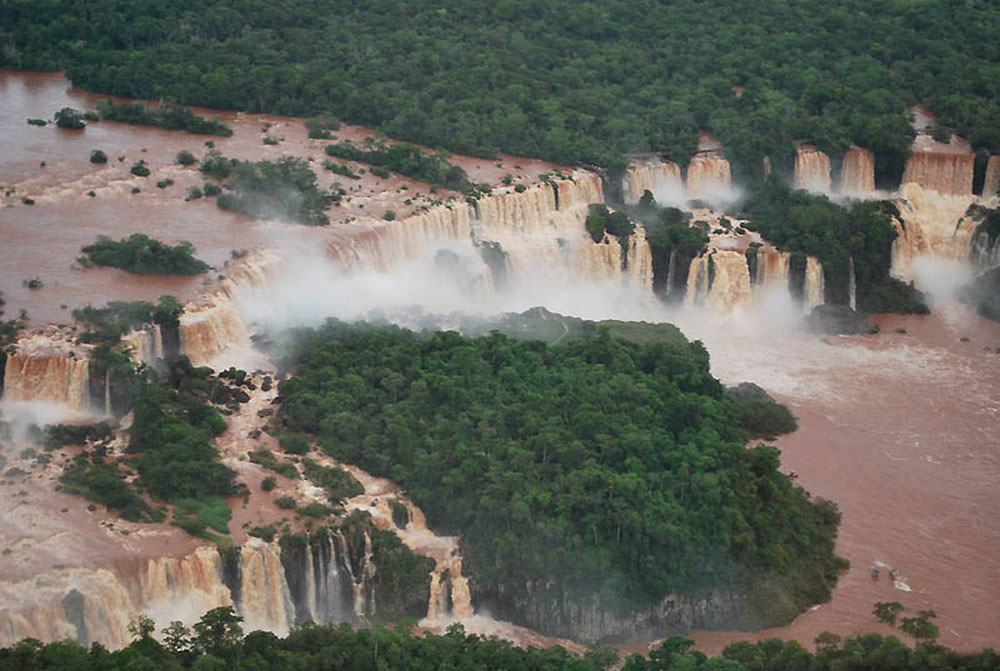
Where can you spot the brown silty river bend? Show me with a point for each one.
(901, 430)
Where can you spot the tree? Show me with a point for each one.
(176, 636)
(603, 657)
(70, 118)
(98, 156)
(886, 611)
(141, 626)
(920, 627)
(218, 632)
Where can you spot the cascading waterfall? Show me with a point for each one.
(945, 168)
(857, 172)
(708, 174)
(661, 178)
(146, 344)
(852, 284)
(48, 367)
(932, 223)
(812, 170)
(992, 181)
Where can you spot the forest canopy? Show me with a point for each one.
(567, 81)
(607, 467)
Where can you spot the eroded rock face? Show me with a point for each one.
(838, 320)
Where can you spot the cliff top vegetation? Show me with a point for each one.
(567, 81)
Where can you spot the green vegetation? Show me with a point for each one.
(139, 169)
(218, 642)
(887, 611)
(797, 221)
(108, 324)
(98, 156)
(338, 483)
(285, 502)
(164, 115)
(283, 189)
(602, 466)
(601, 220)
(268, 483)
(38, 122)
(94, 478)
(404, 159)
(320, 127)
(57, 435)
(341, 169)
(141, 254)
(759, 414)
(70, 118)
(673, 244)
(265, 533)
(582, 81)
(164, 183)
(184, 157)
(268, 461)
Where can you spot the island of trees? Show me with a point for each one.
(599, 467)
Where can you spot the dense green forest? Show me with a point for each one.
(568, 81)
(142, 254)
(611, 468)
(217, 643)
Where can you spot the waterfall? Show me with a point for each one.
(812, 170)
(146, 344)
(930, 222)
(992, 182)
(852, 283)
(857, 172)
(708, 174)
(266, 602)
(661, 178)
(814, 288)
(946, 168)
(719, 280)
(48, 367)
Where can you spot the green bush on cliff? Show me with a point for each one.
(603, 466)
(108, 324)
(141, 254)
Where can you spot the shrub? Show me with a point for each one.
(269, 483)
(270, 140)
(285, 502)
(210, 190)
(193, 193)
(98, 156)
(389, 215)
(139, 169)
(379, 172)
(315, 509)
(68, 117)
(38, 122)
(266, 534)
(164, 115)
(184, 157)
(164, 183)
(294, 443)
